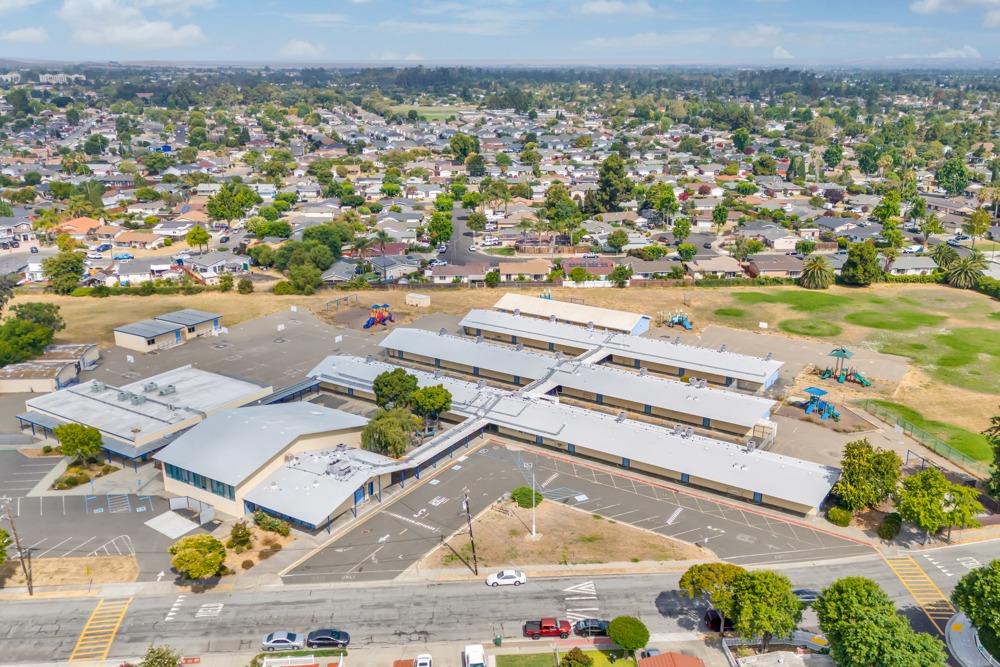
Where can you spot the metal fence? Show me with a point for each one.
(929, 440)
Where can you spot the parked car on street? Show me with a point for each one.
(424, 660)
(443, 248)
(437, 262)
(474, 655)
(327, 638)
(547, 627)
(123, 256)
(591, 627)
(506, 578)
(282, 641)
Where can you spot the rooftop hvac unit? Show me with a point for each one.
(722, 348)
(97, 387)
(519, 347)
(138, 399)
(123, 395)
(643, 371)
(167, 390)
(620, 418)
(517, 312)
(481, 384)
(442, 331)
(552, 318)
(690, 431)
(479, 339)
(369, 359)
(590, 325)
(149, 386)
(770, 355)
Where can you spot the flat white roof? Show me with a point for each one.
(196, 393)
(774, 475)
(231, 445)
(603, 318)
(704, 359)
(716, 404)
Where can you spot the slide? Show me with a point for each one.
(826, 373)
(861, 379)
(370, 323)
(810, 408)
(842, 377)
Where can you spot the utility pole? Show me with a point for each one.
(468, 518)
(533, 503)
(5, 501)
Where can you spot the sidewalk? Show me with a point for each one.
(963, 643)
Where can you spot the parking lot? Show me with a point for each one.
(19, 473)
(60, 526)
(400, 533)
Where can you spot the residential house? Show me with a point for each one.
(651, 270)
(214, 263)
(775, 266)
(394, 267)
(138, 271)
(599, 267)
(532, 269)
(913, 265)
(341, 271)
(78, 228)
(836, 226)
(452, 273)
(719, 266)
(176, 229)
(134, 238)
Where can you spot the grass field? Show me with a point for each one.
(441, 112)
(900, 320)
(973, 445)
(600, 659)
(729, 312)
(967, 357)
(810, 327)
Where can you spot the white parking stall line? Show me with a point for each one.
(606, 507)
(684, 532)
(615, 516)
(549, 480)
(413, 522)
(80, 545)
(37, 543)
(54, 546)
(648, 518)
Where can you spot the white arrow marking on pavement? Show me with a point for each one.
(587, 587)
(383, 539)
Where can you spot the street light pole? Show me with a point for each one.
(5, 501)
(533, 503)
(472, 539)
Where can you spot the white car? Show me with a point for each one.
(424, 660)
(437, 262)
(474, 655)
(506, 578)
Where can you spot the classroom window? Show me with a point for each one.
(190, 329)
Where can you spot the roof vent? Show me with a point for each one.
(552, 318)
(517, 312)
(442, 331)
(722, 348)
(437, 373)
(479, 339)
(97, 387)
(690, 432)
(123, 395)
(369, 359)
(620, 418)
(167, 390)
(519, 347)
(677, 340)
(138, 399)
(770, 355)
(149, 386)
(590, 325)
(481, 384)
(643, 371)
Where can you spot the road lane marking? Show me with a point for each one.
(413, 522)
(94, 642)
(54, 546)
(923, 590)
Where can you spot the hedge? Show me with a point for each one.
(839, 516)
(271, 524)
(140, 290)
(889, 528)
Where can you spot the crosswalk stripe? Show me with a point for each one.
(934, 603)
(94, 642)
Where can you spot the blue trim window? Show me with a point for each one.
(600, 399)
(706, 422)
(757, 498)
(685, 478)
(636, 363)
(626, 462)
(552, 346)
(539, 440)
(571, 448)
(647, 409)
(475, 371)
(437, 363)
(517, 379)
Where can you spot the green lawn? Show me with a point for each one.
(893, 320)
(810, 327)
(529, 660)
(973, 445)
(966, 357)
(801, 300)
(730, 312)
(503, 252)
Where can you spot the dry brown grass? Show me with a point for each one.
(944, 402)
(71, 570)
(566, 536)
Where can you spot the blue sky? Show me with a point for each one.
(767, 32)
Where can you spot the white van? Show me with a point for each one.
(474, 655)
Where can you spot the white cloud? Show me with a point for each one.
(458, 27)
(318, 19)
(758, 36)
(11, 5)
(302, 49)
(25, 36)
(645, 40)
(991, 16)
(399, 57)
(967, 52)
(121, 23)
(781, 53)
(606, 7)
(181, 7)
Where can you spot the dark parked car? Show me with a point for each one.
(223, 239)
(591, 627)
(707, 245)
(327, 638)
(713, 618)
(34, 250)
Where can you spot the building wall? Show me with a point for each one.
(202, 329)
(138, 343)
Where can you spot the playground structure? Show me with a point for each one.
(678, 318)
(817, 405)
(379, 315)
(546, 294)
(841, 371)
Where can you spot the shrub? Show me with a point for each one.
(889, 528)
(107, 469)
(628, 632)
(266, 553)
(839, 516)
(47, 449)
(244, 286)
(247, 564)
(525, 497)
(271, 524)
(576, 658)
(283, 287)
(240, 538)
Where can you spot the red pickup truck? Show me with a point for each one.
(547, 627)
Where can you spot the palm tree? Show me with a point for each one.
(943, 255)
(361, 246)
(525, 225)
(965, 272)
(816, 274)
(381, 238)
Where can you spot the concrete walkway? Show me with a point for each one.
(964, 644)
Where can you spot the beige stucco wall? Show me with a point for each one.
(138, 343)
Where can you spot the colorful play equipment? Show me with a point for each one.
(680, 319)
(546, 294)
(817, 405)
(379, 315)
(841, 372)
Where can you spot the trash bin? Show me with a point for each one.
(497, 640)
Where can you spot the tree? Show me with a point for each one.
(943, 255)
(931, 502)
(44, 314)
(430, 402)
(78, 441)
(613, 184)
(618, 239)
(713, 581)
(95, 144)
(978, 595)
(575, 657)
(160, 656)
(620, 275)
(197, 236)
(687, 251)
(63, 271)
(720, 216)
(741, 139)
(198, 556)
(977, 224)
(628, 632)
(764, 606)
(580, 275)
(966, 272)
(440, 228)
(390, 432)
(681, 229)
(816, 273)
(305, 277)
(833, 155)
(861, 267)
(8, 281)
(475, 165)
(462, 145)
(394, 388)
(232, 202)
(477, 223)
(226, 281)
(931, 224)
(244, 286)
(745, 248)
(5, 543)
(868, 475)
(5, 210)
(21, 340)
(953, 176)
(888, 207)
(993, 437)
